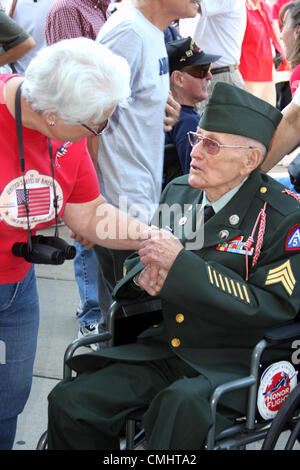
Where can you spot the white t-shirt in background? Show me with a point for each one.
(131, 151)
(219, 30)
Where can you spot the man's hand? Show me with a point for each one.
(151, 279)
(172, 113)
(160, 249)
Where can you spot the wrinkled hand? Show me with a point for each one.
(160, 249)
(172, 110)
(82, 241)
(151, 279)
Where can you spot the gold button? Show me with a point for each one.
(154, 326)
(175, 342)
(179, 317)
(263, 190)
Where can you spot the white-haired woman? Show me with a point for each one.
(68, 94)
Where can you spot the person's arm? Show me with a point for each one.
(286, 137)
(103, 224)
(15, 41)
(16, 52)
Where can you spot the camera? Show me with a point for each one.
(45, 250)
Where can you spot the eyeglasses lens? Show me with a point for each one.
(212, 147)
(199, 71)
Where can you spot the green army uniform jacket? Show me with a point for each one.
(212, 315)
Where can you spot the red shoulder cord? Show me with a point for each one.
(291, 193)
(261, 231)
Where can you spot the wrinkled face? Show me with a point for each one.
(217, 174)
(289, 34)
(183, 8)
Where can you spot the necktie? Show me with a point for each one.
(208, 213)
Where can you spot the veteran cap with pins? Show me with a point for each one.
(186, 53)
(232, 110)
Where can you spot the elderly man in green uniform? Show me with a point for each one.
(218, 297)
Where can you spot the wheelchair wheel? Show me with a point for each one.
(287, 418)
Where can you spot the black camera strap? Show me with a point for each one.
(18, 118)
(55, 198)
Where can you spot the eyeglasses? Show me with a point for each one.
(211, 146)
(100, 129)
(198, 71)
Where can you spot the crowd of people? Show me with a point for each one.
(109, 111)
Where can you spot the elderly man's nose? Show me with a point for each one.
(197, 151)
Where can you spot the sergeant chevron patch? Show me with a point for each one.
(235, 289)
(282, 274)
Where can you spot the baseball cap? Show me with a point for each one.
(186, 53)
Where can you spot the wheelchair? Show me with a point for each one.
(126, 321)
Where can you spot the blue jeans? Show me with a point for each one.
(86, 272)
(19, 321)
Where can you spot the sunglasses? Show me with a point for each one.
(198, 71)
(211, 146)
(103, 127)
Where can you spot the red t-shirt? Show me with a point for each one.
(295, 79)
(75, 181)
(277, 7)
(256, 63)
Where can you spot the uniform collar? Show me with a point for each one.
(228, 220)
(222, 201)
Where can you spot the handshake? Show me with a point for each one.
(158, 251)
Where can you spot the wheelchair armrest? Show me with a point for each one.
(283, 333)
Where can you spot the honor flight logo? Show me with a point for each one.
(39, 194)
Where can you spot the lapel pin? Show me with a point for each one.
(223, 235)
(234, 219)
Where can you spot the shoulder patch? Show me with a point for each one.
(292, 241)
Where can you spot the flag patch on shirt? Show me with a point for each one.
(38, 200)
(234, 246)
(293, 238)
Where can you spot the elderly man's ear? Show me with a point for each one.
(253, 160)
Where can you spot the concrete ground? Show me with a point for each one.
(58, 328)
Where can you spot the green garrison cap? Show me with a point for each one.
(232, 110)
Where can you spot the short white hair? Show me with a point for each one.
(78, 78)
(253, 143)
